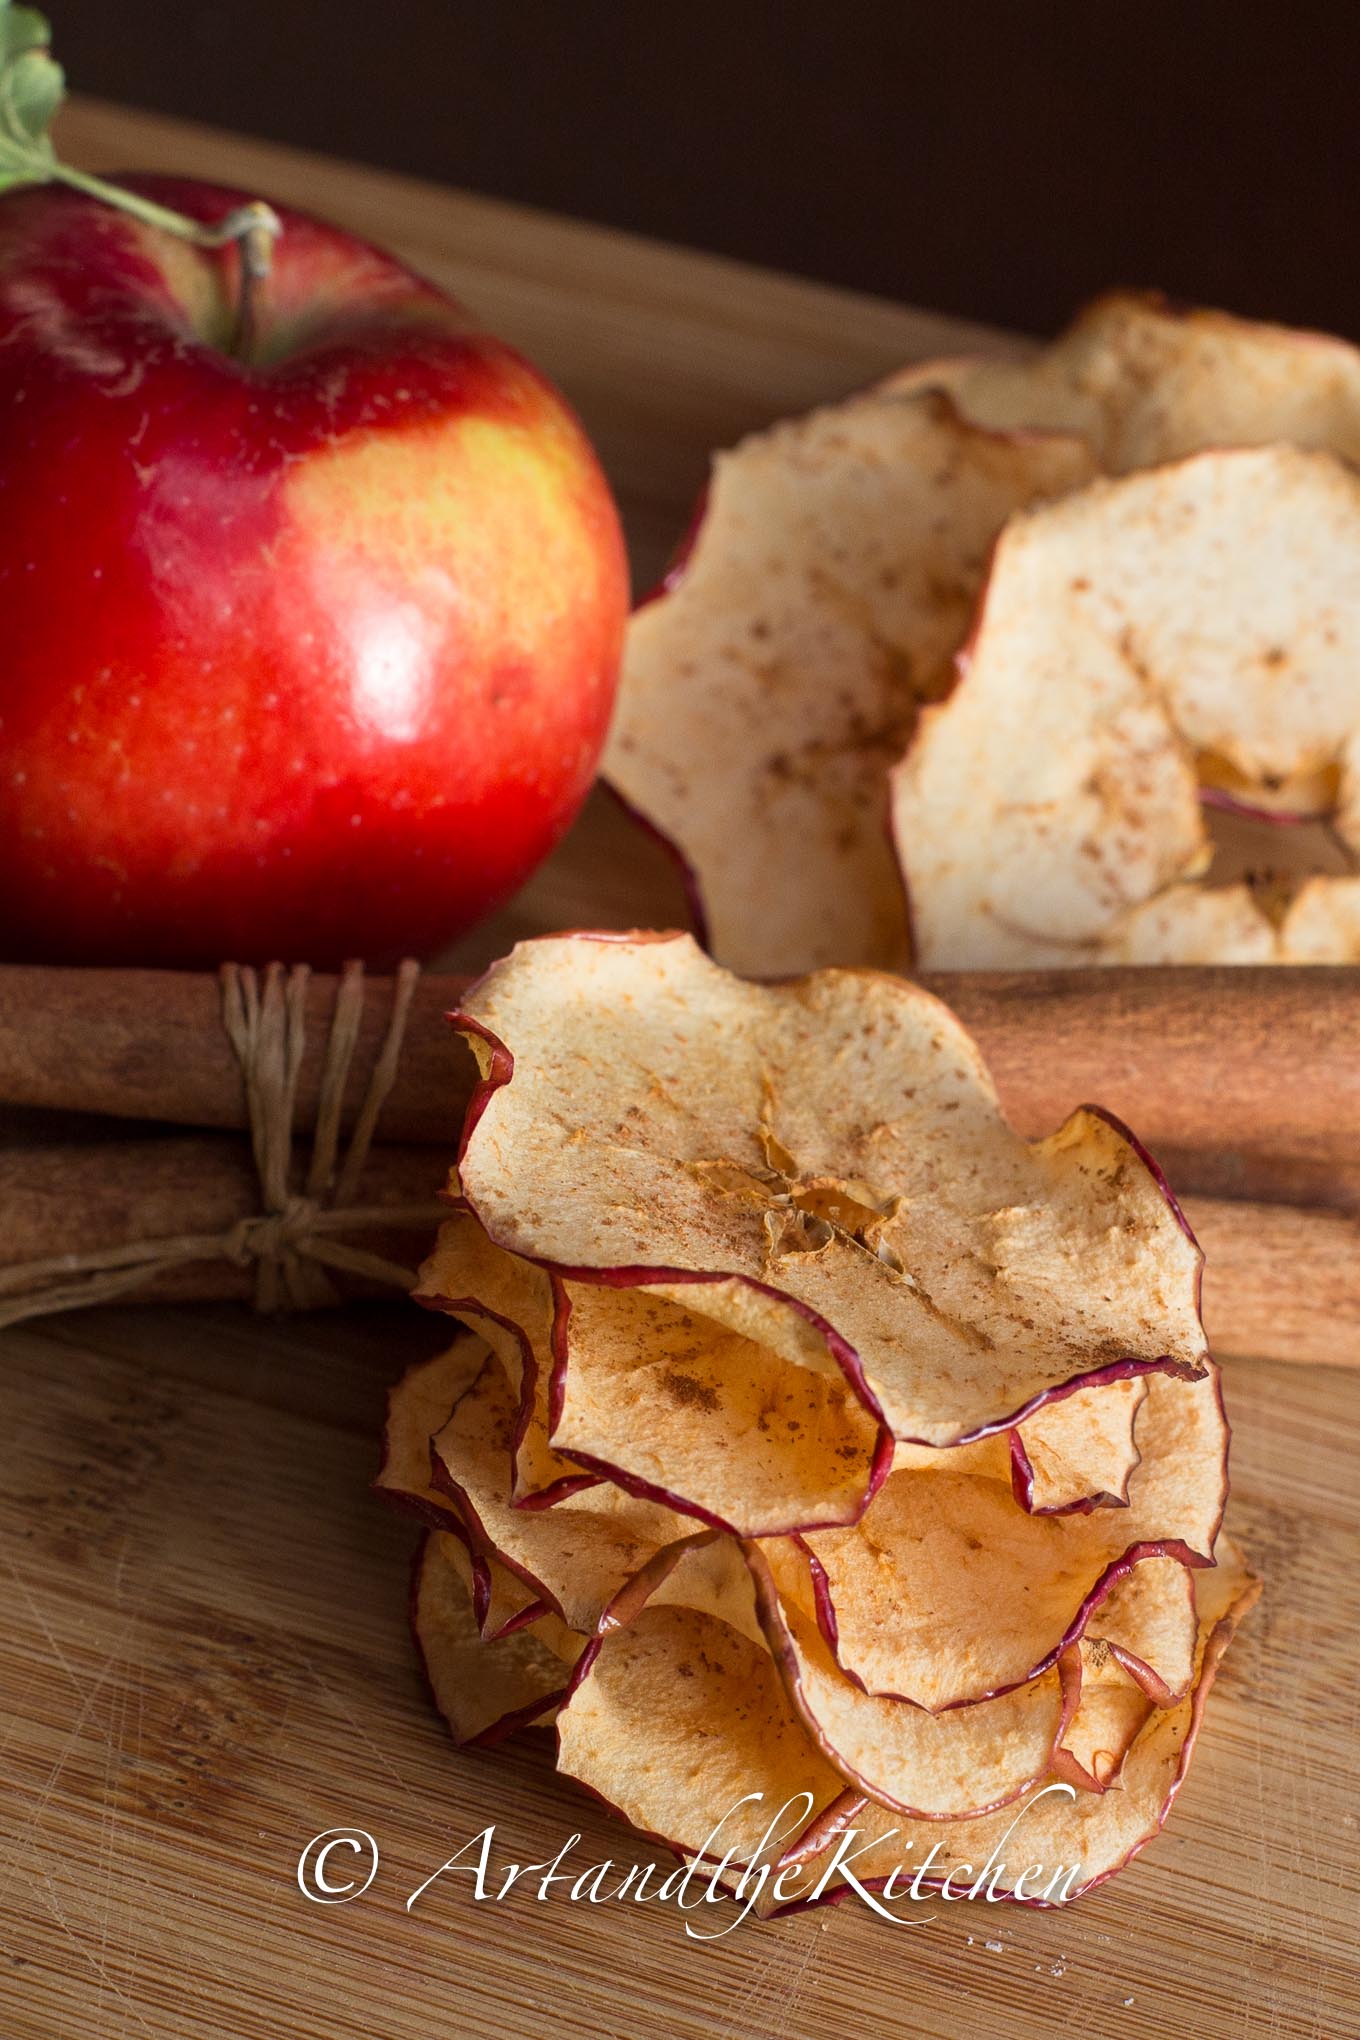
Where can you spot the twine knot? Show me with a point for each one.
(276, 1242)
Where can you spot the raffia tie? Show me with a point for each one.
(291, 1242)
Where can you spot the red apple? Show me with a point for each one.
(308, 652)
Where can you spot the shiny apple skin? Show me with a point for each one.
(307, 657)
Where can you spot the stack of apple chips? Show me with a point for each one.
(819, 1441)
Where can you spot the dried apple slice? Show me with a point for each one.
(1078, 1452)
(948, 1591)
(769, 687)
(834, 1144)
(510, 1302)
(1112, 1710)
(417, 1406)
(1146, 381)
(676, 1718)
(1323, 922)
(484, 1691)
(1148, 1623)
(1050, 810)
(1027, 1850)
(575, 1558)
(680, 1410)
(934, 1766)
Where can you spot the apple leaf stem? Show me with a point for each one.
(32, 88)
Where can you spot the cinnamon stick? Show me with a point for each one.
(63, 1198)
(147, 1044)
(1243, 1081)
(1280, 1283)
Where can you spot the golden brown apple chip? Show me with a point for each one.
(1050, 810)
(484, 1690)
(1061, 1840)
(510, 1303)
(677, 1719)
(948, 1589)
(670, 1404)
(418, 1406)
(773, 682)
(1145, 381)
(833, 1144)
(1079, 1451)
(1324, 922)
(575, 1558)
(1112, 1710)
(935, 1766)
(1148, 1622)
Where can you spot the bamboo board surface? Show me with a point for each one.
(203, 1654)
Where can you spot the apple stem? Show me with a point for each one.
(255, 241)
(252, 228)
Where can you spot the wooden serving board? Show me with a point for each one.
(203, 1653)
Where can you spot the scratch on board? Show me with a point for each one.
(766, 2008)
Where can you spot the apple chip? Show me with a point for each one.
(935, 1766)
(1137, 643)
(575, 1559)
(1078, 1451)
(1062, 1840)
(484, 1690)
(417, 1407)
(1324, 921)
(834, 1144)
(677, 1408)
(1145, 381)
(1148, 1623)
(510, 1302)
(775, 679)
(677, 1719)
(948, 1590)
(1112, 1710)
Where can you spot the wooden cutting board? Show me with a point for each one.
(203, 1654)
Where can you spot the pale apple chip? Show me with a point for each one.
(1135, 642)
(1112, 1710)
(677, 1408)
(417, 1406)
(774, 680)
(1062, 1840)
(484, 1690)
(575, 1559)
(1323, 923)
(676, 1719)
(948, 1591)
(501, 1602)
(1145, 381)
(834, 1144)
(510, 1303)
(1148, 1623)
(1078, 1452)
(947, 1766)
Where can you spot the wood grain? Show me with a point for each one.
(203, 1659)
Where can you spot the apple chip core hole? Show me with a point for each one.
(1274, 850)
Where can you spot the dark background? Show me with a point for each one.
(998, 160)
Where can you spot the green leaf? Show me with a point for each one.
(21, 29)
(32, 87)
(35, 87)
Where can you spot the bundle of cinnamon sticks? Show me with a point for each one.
(124, 1114)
